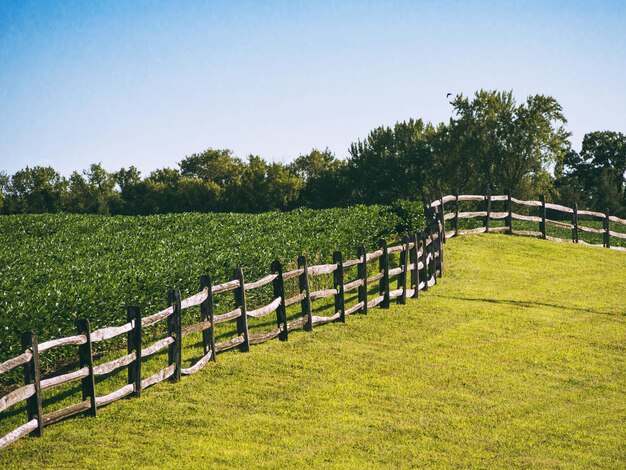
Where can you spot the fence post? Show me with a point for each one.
(487, 208)
(442, 218)
(279, 292)
(32, 375)
(456, 212)
(85, 356)
(607, 233)
(428, 220)
(414, 258)
(133, 313)
(361, 253)
(240, 302)
(338, 282)
(433, 261)
(206, 310)
(422, 236)
(509, 209)
(440, 250)
(542, 224)
(174, 328)
(404, 263)
(575, 224)
(383, 265)
(304, 287)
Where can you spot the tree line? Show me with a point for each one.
(490, 140)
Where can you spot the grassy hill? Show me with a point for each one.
(516, 358)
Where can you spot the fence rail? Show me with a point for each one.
(421, 261)
(571, 214)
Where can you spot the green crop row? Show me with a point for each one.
(59, 268)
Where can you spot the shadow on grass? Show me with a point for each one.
(528, 304)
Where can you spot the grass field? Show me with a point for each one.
(515, 359)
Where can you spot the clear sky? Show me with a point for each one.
(146, 83)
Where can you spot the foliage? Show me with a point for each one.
(34, 190)
(493, 140)
(393, 163)
(496, 366)
(490, 139)
(596, 177)
(325, 179)
(410, 215)
(58, 268)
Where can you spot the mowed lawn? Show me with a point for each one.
(516, 358)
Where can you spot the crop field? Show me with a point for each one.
(515, 359)
(60, 268)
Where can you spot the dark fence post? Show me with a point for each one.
(607, 233)
(133, 313)
(338, 284)
(440, 251)
(433, 261)
(426, 269)
(206, 310)
(509, 209)
(542, 224)
(240, 302)
(404, 263)
(304, 287)
(414, 258)
(575, 224)
(85, 356)
(428, 216)
(456, 212)
(32, 375)
(383, 265)
(487, 208)
(442, 218)
(361, 253)
(174, 328)
(279, 292)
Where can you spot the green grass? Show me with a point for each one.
(515, 359)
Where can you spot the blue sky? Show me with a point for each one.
(146, 83)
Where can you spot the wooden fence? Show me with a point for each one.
(569, 218)
(421, 261)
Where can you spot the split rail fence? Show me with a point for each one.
(420, 262)
(569, 218)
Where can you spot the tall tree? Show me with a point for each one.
(493, 140)
(323, 179)
(217, 166)
(596, 177)
(92, 192)
(34, 190)
(392, 163)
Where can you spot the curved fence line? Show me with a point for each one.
(420, 262)
(571, 214)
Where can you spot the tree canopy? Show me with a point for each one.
(490, 139)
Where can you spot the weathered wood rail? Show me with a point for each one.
(420, 263)
(571, 214)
